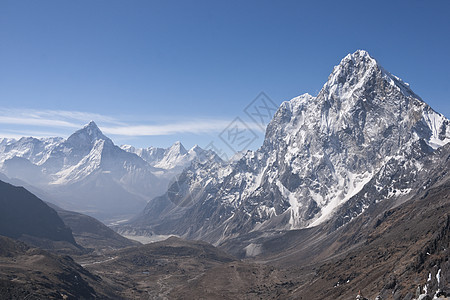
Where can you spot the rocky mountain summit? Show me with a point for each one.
(347, 197)
(318, 153)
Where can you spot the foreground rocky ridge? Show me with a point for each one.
(31, 273)
(24, 216)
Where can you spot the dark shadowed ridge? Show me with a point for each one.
(24, 214)
(91, 233)
(31, 273)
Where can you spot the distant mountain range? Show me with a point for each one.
(320, 154)
(349, 194)
(88, 173)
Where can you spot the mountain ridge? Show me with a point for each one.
(88, 173)
(318, 153)
(23, 215)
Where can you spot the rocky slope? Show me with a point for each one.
(27, 218)
(31, 273)
(180, 269)
(397, 250)
(92, 234)
(390, 249)
(318, 154)
(24, 216)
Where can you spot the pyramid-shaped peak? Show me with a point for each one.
(358, 59)
(178, 148)
(92, 129)
(91, 124)
(87, 135)
(357, 70)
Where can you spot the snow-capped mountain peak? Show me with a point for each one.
(177, 149)
(175, 156)
(33, 149)
(318, 153)
(87, 135)
(86, 171)
(357, 71)
(196, 149)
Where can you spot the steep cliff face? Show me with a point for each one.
(318, 153)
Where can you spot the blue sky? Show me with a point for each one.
(154, 72)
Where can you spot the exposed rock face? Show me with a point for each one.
(318, 153)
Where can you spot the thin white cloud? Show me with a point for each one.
(64, 120)
(196, 127)
(57, 118)
(23, 120)
(79, 116)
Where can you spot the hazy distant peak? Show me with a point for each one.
(178, 148)
(197, 149)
